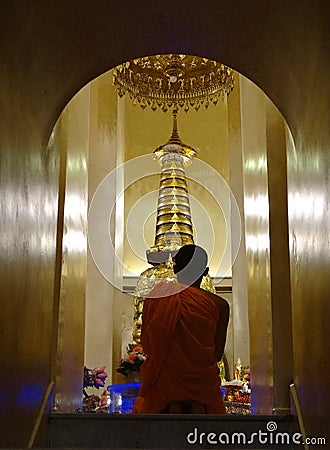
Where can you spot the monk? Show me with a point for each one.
(183, 335)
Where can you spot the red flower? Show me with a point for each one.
(131, 357)
(132, 361)
(138, 349)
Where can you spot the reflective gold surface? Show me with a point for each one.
(165, 200)
(28, 204)
(146, 282)
(279, 259)
(309, 225)
(71, 139)
(256, 211)
(266, 238)
(100, 294)
(240, 337)
(28, 219)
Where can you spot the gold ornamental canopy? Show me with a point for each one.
(173, 80)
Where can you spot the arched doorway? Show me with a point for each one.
(255, 154)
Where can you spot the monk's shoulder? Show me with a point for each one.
(220, 302)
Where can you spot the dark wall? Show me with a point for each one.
(49, 50)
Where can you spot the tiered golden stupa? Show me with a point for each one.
(174, 226)
(171, 81)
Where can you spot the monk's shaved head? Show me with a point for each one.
(190, 264)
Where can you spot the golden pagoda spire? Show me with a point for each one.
(173, 224)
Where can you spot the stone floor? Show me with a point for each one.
(127, 431)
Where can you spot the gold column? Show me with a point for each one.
(279, 259)
(267, 247)
(72, 135)
(256, 210)
(239, 307)
(101, 161)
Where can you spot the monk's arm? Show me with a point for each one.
(221, 333)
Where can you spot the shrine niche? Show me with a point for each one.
(173, 83)
(125, 187)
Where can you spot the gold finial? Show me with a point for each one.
(174, 146)
(175, 134)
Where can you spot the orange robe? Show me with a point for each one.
(178, 329)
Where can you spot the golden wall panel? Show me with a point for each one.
(239, 308)
(28, 204)
(267, 250)
(279, 259)
(256, 211)
(309, 225)
(102, 158)
(73, 129)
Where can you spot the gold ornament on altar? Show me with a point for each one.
(148, 279)
(173, 80)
